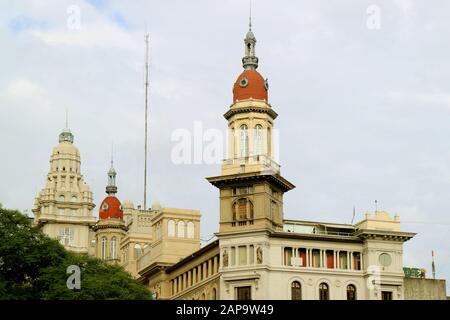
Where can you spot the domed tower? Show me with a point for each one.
(63, 209)
(251, 186)
(110, 228)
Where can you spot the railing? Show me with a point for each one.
(143, 260)
(267, 162)
(313, 230)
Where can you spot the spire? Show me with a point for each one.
(250, 61)
(111, 188)
(66, 135)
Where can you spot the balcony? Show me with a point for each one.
(258, 163)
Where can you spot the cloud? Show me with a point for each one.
(23, 22)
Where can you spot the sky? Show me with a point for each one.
(361, 89)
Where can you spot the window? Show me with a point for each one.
(330, 259)
(181, 229)
(244, 141)
(296, 291)
(171, 228)
(343, 260)
(61, 198)
(137, 251)
(65, 236)
(357, 261)
(74, 199)
(386, 295)
(258, 140)
(113, 248)
(60, 211)
(190, 230)
(251, 257)
(242, 255)
(244, 293)
(103, 248)
(213, 294)
(273, 209)
(323, 292)
(316, 258)
(288, 256)
(351, 292)
(243, 209)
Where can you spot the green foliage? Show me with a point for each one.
(33, 266)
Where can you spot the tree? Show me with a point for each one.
(33, 266)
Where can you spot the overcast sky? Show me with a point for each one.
(364, 112)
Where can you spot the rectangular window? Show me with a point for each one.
(242, 255)
(287, 256)
(343, 260)
(330, 259)
(316, 258)
(251, 257)
(233, 256)
(66, 236)
(386, 295)
(244, 293)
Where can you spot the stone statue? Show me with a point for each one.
(225, 258)
(259, 255)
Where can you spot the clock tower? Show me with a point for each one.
(250, 185)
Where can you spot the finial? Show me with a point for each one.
(67, 119)
(250, 17)
(112, 154)
(66, 135)
(250, 61)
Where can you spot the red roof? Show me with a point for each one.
(111, 208)
(250, 84)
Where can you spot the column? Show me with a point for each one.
(210, 269)
(189, 278)
(194, 275)
(216, 264)
(321, 258)
(248, 254)
(205, 270)
(307, 257)
(351, 260)
(334, 259)
(175, 286)
(199, 275)
(337, 259)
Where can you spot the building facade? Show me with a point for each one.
(258, 254)
(64, 207)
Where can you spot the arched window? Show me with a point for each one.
(103, 253)
(74, 199)
(351, 292)
(137, 251)
(180, 228)
(171, 228)
(62, 198)
(243, 141)
(324, 293)
(203, 296)
(213, 294)
(190, 230)
(243, 209)
(296, 291)
(258, 139)
(114, 248)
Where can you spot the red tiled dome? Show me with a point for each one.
(250, 84)
(111, 208)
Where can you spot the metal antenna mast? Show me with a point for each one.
(146, 112)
